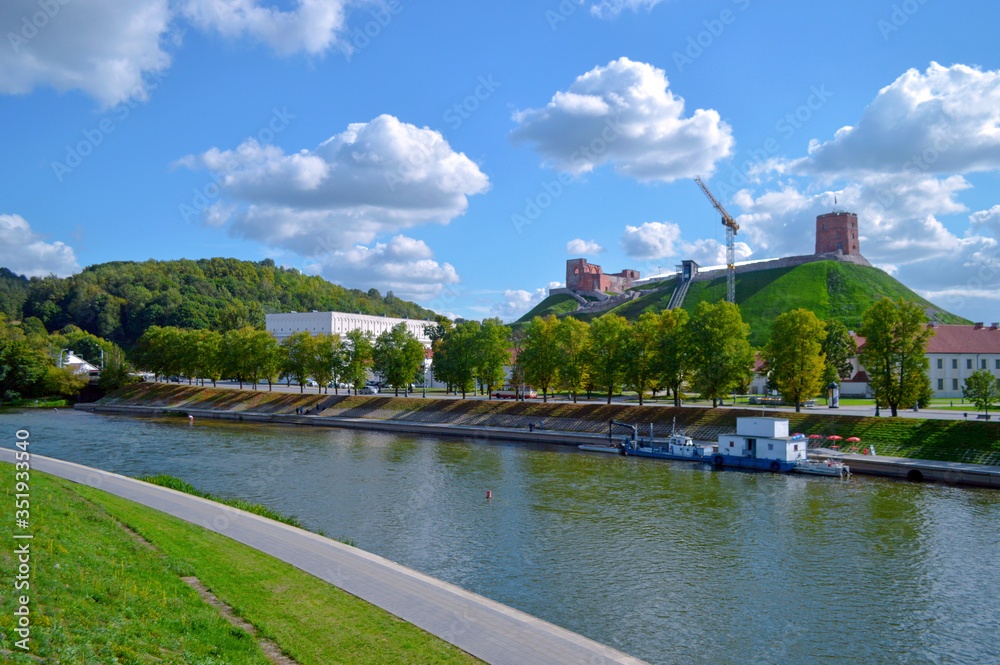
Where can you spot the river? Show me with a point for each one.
(670, 562)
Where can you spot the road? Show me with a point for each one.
(497, 634)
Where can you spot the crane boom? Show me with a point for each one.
(732, 228)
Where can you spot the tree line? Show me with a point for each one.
(706, 352)
(120, 300)
(251, 356)
(30, 358)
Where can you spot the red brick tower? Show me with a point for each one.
(838, 231)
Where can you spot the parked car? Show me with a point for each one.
(368, 390)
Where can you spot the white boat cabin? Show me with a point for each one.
(763, 438)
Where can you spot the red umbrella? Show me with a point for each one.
(853, 439)
(835, 437)
(815, 436)
(798, 434)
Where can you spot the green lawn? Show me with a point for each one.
(100, 596)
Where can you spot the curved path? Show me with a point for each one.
(496, 633)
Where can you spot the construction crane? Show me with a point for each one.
(732, 228)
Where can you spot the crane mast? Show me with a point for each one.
(732, 228)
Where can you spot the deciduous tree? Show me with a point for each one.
(358, 346)
(793, 357)
(541, 356)
(672, 351)
(721, 356)
(838, 348)
(397, 356)
(893, 353)
(298, 357)
(640, 354)
(607, 357)
(493, 353)
(574, 345)
(982, 390)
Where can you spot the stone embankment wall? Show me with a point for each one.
(786, 262)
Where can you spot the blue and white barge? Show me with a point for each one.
(762, 444)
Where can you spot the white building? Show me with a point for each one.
(340, 323)
(763, 438)
(954, 352)
(77, 365)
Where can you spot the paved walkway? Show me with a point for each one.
(484, 628)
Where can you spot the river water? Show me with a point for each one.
(670, 562)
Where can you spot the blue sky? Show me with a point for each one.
(457, 153)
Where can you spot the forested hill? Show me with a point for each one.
(121, 299)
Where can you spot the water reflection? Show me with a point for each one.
(671, 562)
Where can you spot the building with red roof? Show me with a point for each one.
(954, 352)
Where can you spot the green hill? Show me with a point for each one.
(120, 300)
(831, 289)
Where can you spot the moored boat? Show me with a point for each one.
(600, 448)
(827, 467)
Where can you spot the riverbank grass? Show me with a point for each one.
(100, 594)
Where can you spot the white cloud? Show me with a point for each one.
(404, 266)
(626, 115)
(612, 8)
(518, 301)
(897, 216)
(581, 246)
(110, 48)
(652, 240)
(374, 178)
(312, 27)
(710, 252)
(988, 219)
(943, 120)
(899, 229)
(102, 47)
(26, 253)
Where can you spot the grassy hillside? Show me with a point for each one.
(560, 303)
(120, 300)
(831, 289)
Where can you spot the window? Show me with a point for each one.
(968, 363)
(940, 363)
(954, 384)
(954, 363)
(940, 384)
(983, 365)
(770, 446)
(998, 364)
